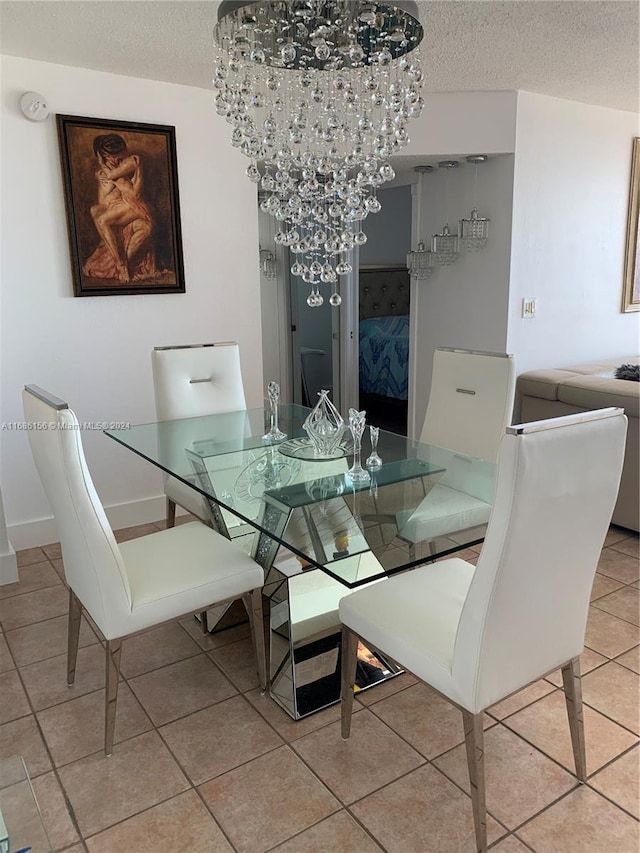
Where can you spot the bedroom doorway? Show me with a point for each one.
(384, 345)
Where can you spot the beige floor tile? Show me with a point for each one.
(126, 533)
(616, 534)
(422, 718)
(22, 737)
(588, 660)
(53, 551)
(28, 556)
(58, 565)
(76, 728)
(27, 830)
(208, 642)
(385, 688)
(55, 812)
(286, 727)
(32, 578)
(156, 648)
(546, 726)
(510, 845)
(520, 780)
(609, 635)
(14, 700)
(422, 813)
(46, 680)
(33, 607)
(631, 659)
(217, 739)
(372, 757)
(267, 801)
(582, 822)
(46, 639)
(6, 661)
(630, 546)
(618, 565)
(180, 824)
(602, 585)
(620, 781)
(238, 662)
(336, 834)
(181, 688)
(104, 791)
(624, 603)
(614, 690)
(520, 699)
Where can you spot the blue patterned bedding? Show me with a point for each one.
(384, 356)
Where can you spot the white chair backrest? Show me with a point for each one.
(203, 379)
(526, 610)
(92, 562)
(470, 402)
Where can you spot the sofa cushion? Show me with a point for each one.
(596, 392)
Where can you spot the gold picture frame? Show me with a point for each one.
(631, 291)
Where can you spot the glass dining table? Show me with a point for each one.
(317, 532)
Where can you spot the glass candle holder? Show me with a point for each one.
(373, 460)
(275, 433)
(357, 423)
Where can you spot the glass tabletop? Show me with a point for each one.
(355, 531)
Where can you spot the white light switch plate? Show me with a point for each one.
(528, 307)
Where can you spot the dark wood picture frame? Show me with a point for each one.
(123, 214)
(631, 287)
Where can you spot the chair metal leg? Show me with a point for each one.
(349, 663)
(171, 513)
(73, 635)
(573, 697)
(113, 649)
(474, 742)
(204, 622)
(253, 604)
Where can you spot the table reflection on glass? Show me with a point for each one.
(316, 533)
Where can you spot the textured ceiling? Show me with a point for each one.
(583, 51)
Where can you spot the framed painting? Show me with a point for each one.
(631, 295)
(123, 216)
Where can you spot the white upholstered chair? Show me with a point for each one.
(478, 635)
(470, 404)
(193, 380)
(137, 584)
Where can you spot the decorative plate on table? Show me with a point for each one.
(302, 448)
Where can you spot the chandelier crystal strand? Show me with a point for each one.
(474, 232)
(319, 93)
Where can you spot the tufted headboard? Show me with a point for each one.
(384, 291)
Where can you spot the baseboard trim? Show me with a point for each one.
(8, 566)
(43, 531)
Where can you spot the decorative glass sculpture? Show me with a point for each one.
(274, 434)
(357, 473)
(324, 426)
(374, 460)
(445, 247)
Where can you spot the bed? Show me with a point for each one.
(384, 332)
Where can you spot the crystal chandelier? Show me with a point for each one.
(420, 261)
(445, 246)
(474, 232)
(319, 94)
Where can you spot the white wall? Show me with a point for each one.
(571, 189)
(466, 304)
(389, 231)
(95, 352)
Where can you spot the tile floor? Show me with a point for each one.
(205, 764)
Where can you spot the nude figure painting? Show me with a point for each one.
(121, 191)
